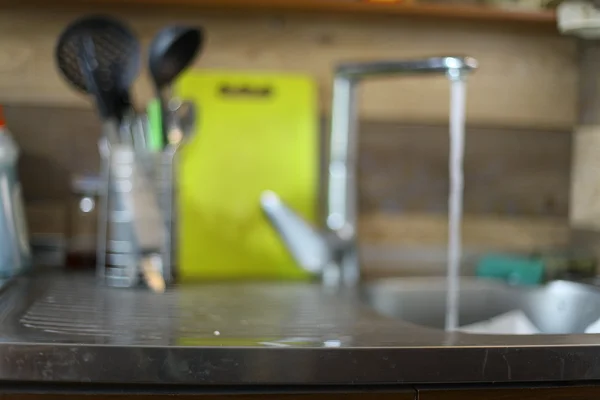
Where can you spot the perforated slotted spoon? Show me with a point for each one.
(100, 56)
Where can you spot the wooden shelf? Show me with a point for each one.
(446, 11)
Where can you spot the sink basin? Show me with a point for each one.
(559, 307)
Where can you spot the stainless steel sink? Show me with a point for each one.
(65, 328)
(559, 307)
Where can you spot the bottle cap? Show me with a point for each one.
(2, 122)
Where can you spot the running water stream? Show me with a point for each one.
(455, 200)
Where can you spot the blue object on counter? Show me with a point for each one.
(513, 269)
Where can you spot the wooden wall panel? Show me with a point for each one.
(527, 78)
(416, 243)
(510, 176)
(402, 168)
(55, 143)
(508, 172)
(585, 186)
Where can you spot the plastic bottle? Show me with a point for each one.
(15, 252)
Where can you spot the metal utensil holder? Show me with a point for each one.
(127, 173)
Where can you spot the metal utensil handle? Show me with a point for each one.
(168, 163)
(102, 229)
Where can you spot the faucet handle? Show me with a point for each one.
(309, 247)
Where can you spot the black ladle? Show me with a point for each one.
(172, 50)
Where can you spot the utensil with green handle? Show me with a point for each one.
(155, 138)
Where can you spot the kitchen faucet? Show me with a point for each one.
(333, 253)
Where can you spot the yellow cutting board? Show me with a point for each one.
(255, 132)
